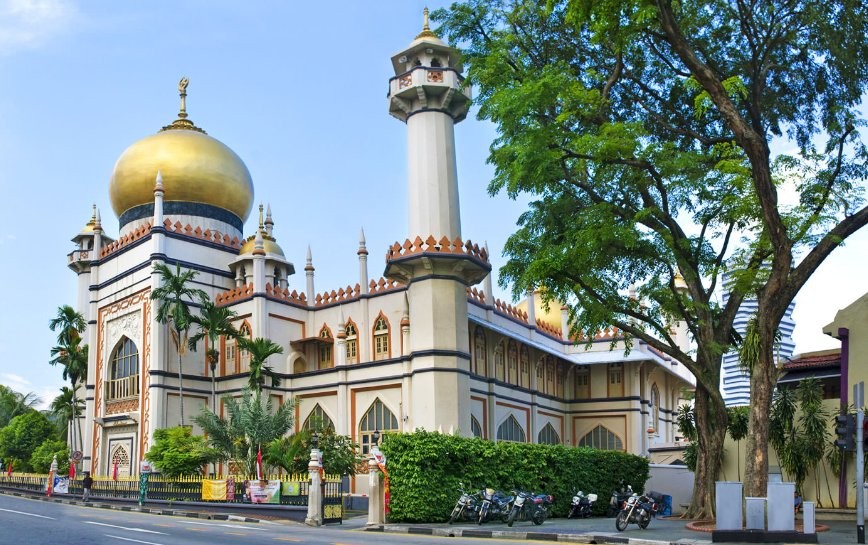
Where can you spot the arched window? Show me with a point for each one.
(655, 407)
(435, 62)
(541, 375)
(512, 363)
(550, 375)
(124, 374)
(475, 428)
(325, 348)
(559, 379)
(318, 420)
(244, 355)
(498, 362)
(548, 436)
(524, 367)
(479, 348)
(583, 382)
(120, 458)
(378, 418)
(511, 430)
(601, 438)
(616, 380)
(381, 338)
(352, 342)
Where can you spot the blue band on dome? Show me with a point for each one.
(182, 209)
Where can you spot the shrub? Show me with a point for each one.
(44, 454)
(425, 470)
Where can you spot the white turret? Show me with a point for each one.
(428, 93)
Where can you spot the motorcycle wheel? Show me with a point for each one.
(539, 516)
(644, 522)
(510, 519)
(456, 514)
(572, 512)
(483, 513)
(621, 521)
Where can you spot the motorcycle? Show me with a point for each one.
(466, 508)
(582, 505)
(532, 507)
(494, 504)
(638, 510)
(619, 497)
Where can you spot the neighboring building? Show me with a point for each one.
(735, 380)
(422, 347)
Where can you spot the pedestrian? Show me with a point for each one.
(86, 483)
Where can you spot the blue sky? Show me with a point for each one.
(297, 89)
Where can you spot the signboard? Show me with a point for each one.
(289, 488)
(378, 456)
(144, 466)
(61, 485)
(77, 456)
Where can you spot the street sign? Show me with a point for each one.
(77, 456)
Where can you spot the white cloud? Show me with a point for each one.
(30, 23)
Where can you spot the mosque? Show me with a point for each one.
(425, 346)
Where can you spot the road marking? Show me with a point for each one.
(125, 528)
(238, 526)
(27, 514)
(286, 539)
(234, 534)
(196, 530)
(133, 540)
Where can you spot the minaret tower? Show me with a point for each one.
(429, 95)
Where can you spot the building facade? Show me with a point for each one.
(425, 346)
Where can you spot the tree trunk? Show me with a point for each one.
(710, 415)
(762, 384)
(180, 378)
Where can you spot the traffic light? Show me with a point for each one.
(845, 427)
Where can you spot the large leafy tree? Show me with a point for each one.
(260, 350)
(72, 354)
(251, 423)
(173, 299)
(212, 323)
(19, 439)
(644, 130)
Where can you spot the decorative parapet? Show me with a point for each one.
(510, 311)
(78, 255)
(549, 329)
(432, 246)
(607, 333)
(234, 295)
(340, 296)
(126, 240)
(383, 285)
(476, 295)
(285, 295)
(211, 236)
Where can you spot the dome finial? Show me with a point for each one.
(426, 30)
(425, 15)
(182, 89)
(261, 220)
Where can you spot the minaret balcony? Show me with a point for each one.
(429, 88)
(461, 260)
(78, 260)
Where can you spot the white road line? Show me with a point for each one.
(133, 540)
(221, 525)
(125, 528)
(28, 514)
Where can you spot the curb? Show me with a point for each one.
(537, 536)
(135, 508)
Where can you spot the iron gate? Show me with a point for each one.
(332, 502)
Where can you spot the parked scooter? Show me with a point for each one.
(495, 505)
(582, 505)
(638, 509)
(619, 497)
(466, 508)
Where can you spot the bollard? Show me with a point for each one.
(755, 509)
(809, 522)
(374, 496)
(314, 491)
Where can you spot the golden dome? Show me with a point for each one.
(268, 244)
(552, 316)
(196, 169)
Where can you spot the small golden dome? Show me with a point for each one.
(196, 169)
(268, 244)
(552, 316)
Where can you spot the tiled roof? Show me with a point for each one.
(814, 360)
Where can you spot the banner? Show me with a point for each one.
(61, 485)
(290, 488)
(214, 490)
(263, 491)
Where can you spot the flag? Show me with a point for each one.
(9, 471)
(115, 471)
(259, 463)
(72, 471)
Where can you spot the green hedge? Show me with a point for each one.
(426, 468)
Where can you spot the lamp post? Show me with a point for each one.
(376, 438)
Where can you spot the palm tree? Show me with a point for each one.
(70, 322)
(14, 403)
(173, 297)
(250, 424)
(260, 349)
(213, 322)
(73, 357)
(739, 418)
(65, 406)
